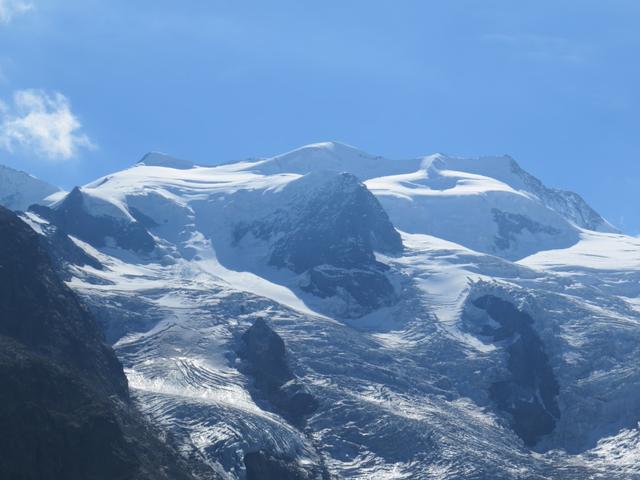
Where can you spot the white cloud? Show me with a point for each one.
(11, 8)
(42, 123)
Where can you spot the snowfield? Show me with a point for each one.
(507, 346)
(18, 189)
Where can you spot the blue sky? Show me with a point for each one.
(87, 87)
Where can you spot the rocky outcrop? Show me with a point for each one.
(261, 465)
(72, 217)
(340, 223)
(265, 357)
(329, 231)
(512, 225)
(365, 289)
(529, 394)
(63, 251)
(65, 411)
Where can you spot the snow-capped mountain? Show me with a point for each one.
(19, 190)
(488, 204)
(332, 314)
(65, 407)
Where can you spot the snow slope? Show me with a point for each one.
(489, 203)
(435, 382)
(19, 190)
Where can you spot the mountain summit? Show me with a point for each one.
(330, 313)
(19, 190)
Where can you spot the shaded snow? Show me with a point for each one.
(19, 190)
(403, 391)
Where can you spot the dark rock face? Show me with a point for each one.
(54, 426)
(529, 395)
(41, 313)
(265, 355)
(511, 224)
(368, 287)
(262, 466)
(265, 352)
(63, 250)
(72, 218)
(143, 219)
(331, 235)
(341, 225)
(65, 411)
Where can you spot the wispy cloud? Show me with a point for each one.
(541, 47)
(11, 8)
(43, 124)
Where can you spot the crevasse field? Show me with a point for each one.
(453, 318)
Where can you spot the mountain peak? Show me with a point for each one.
(19, 190)
(159, 159)
(334, 147)
(336, 157)
(326, 151)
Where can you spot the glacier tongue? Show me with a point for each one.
(432, 383)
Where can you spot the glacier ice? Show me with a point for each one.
(422, 385)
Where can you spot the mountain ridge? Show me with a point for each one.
(19, 190)
(65, 408)
(422, 309)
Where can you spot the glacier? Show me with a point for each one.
(453, 318)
